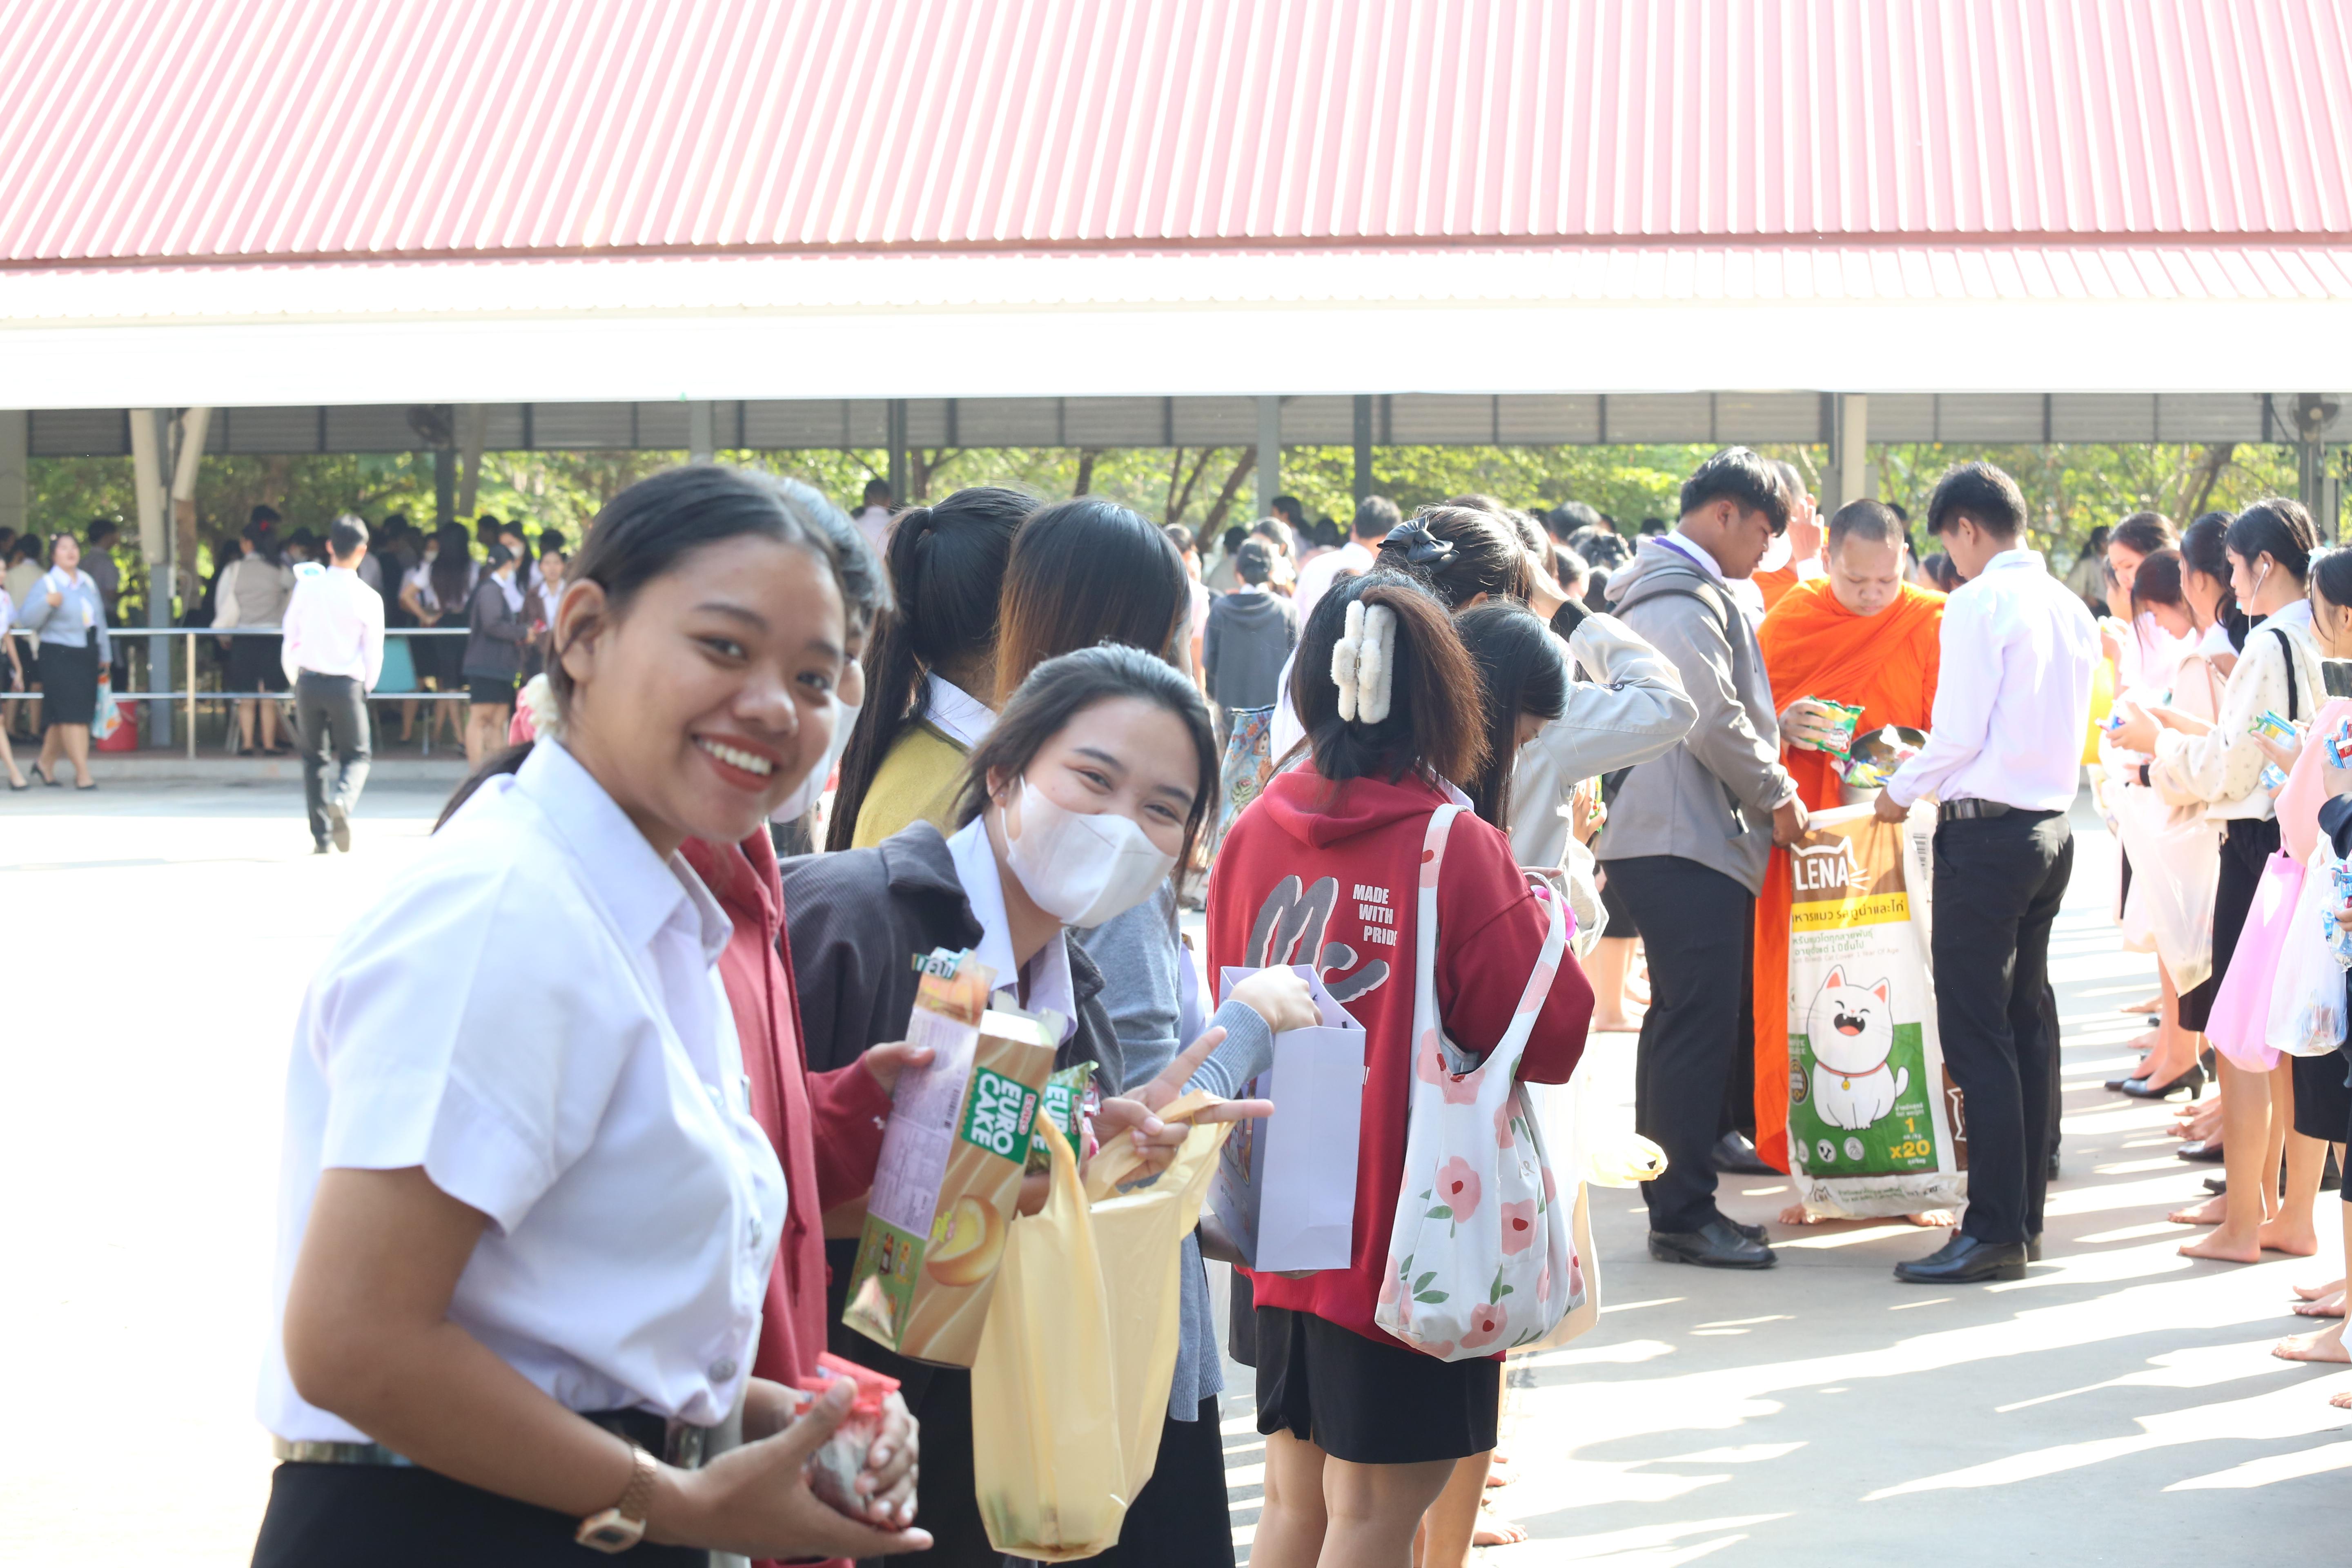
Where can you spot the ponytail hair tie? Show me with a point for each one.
(1363, 662)
(1417, 545)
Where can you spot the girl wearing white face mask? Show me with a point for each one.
(1091, 784)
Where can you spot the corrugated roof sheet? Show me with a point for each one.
(155, 130)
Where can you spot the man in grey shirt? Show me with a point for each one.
(1688, 839)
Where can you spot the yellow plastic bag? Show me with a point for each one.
(1070, 1389)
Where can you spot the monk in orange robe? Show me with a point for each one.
(1860, 636)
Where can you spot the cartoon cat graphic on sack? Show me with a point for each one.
(1851, 1029)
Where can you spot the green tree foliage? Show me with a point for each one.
(2069, 488)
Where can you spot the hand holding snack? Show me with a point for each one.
(761, 1499)
(1808, 724)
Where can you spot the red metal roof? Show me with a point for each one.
(156, 130)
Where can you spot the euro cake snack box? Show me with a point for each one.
(953, 1152)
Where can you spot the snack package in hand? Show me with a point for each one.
(1837, 738)
(953, 1151)
(2271, 727)
(1066, 1105)
(834, 1468)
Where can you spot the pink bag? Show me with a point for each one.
(2238, 1025)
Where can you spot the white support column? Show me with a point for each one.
(1857, 480)
(702, 433)
(147, 484)
(16, 468)
(1269, 454)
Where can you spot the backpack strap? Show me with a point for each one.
(2286, 651)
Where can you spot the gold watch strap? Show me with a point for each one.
(637, 1499)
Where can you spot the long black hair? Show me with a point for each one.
(2278, 528)
(1521, 670)
(452, 569)
(1059, 689)
(1083, 571)
(2204, 551)
(646, 530)
(946, 574)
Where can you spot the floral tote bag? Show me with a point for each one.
(1479, 1255)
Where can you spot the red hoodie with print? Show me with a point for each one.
(1310, 874)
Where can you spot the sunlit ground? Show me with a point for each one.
(2119, 1406)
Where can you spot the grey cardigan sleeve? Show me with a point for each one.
(1723, 739)
(1633, 707)
(1246, 1051)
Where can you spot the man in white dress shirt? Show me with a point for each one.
(1375, 515)
(2013, 705)
(333, 651)
(873, 518)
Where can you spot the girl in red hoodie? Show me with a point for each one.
(1361, 1432)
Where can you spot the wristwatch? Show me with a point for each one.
(623, 1525)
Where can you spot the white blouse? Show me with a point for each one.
(533, 1014)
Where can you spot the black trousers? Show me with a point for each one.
(331, 710)
(1998, 882)
(1699, 927)
(370, 1515)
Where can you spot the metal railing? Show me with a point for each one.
(191, 694)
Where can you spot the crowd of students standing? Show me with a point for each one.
(497, 1336)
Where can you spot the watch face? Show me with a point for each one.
(611, 1530)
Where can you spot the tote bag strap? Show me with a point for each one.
(1425, 1019)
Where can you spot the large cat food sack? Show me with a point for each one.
(1875, 1124)
(953, 1152)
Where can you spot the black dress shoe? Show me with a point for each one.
(2201, 1151)
(1716, 1245)
(1965, 1260)
(2193, 1080)
(1734, 1155)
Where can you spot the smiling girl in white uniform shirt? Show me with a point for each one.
(526, 1217)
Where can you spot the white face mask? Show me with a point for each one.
(1081, 869)
(805, 794)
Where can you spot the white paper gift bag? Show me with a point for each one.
(1285, 1186)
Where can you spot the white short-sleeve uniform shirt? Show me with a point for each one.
(533, 1014)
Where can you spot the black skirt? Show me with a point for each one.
(253, 664)
(490, 691)
(1368, 1403)
(376, 1516)
(2245, 845)
(2323, 1105)
(69, 684)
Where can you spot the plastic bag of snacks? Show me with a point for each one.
(2307, 997)
(834, 1468)
(1873, 759)
(1069, 1393)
